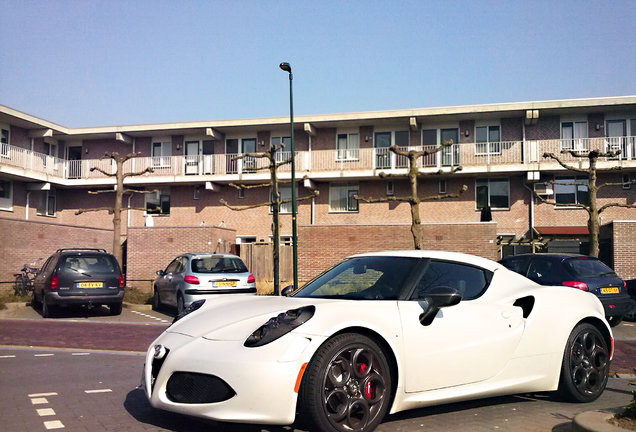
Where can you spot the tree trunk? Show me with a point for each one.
(275, 223)
(592, 222)
(117, 211)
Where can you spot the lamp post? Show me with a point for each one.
(287, 68)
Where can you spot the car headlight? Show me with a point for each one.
(279, 326)
(193, 306)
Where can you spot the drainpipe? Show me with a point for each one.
(531, 221)
(27, 205)
(128, 214)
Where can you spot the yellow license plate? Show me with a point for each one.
(90, 284)
(612, 290)
(225, 283)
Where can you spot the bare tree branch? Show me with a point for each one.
(387, 199)
(138, 173)
(98, 169)
(563, 164)
(606, 206)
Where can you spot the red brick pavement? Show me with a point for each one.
(79, 335)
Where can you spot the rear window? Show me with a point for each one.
(587, 267)
(90, 264)
(217, 264)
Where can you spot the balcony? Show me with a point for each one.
(505, 156)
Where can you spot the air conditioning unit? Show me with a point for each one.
(543, 189)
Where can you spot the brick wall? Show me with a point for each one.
(323, 246)
(152, 248)
(624, 237)
(592, 120)
(19, 137)
(512, 129)
(24, 242)
(546, 128)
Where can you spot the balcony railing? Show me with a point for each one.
(467, 155)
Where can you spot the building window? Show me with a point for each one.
(442, 186)
(158, 202)
(381, 143)
(488, 140)
(493, 193)
(241, 193)
(285, 194)
(161, 152)
(341, 197)
(46, 203)
(197, 191)
(283, 153)
(574, 136)
(390, 188)
(348, 146)
(6, 195)
(4, 140)
(571, 190)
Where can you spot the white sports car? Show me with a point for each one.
(379, 332)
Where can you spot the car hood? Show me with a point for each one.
(236, 317)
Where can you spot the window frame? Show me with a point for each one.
(5, 142)
(6, 203)
(46, 201)
(162, 197)
(576, 143)
(489, 179)
(491, 147)
(352, 188)
(487, 275)
(351, 150)
(164, 159)
(574, 178)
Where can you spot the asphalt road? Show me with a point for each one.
(80, 372)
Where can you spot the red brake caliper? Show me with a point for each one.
(367, 388)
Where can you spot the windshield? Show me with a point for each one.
(588, 267)
(377, 277)
(217, 264)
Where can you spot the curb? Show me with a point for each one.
(594, 421)
(133, 306)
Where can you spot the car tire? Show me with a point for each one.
(613, 321)
(631, 316)
(585, 365)
(180, 305)
(156, 301)
(46, 308)
(346, 386)
(115, 309)
(35, 303)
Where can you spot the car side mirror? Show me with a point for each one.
(435, 299)
(287, 291)
(160, 273)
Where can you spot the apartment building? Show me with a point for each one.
(47, 171)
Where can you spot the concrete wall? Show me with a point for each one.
(320, 247)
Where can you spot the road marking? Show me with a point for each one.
(149, 316)
(11, 356)
(39, 401)
(43, 355)
(98, 391)
(81, 354)
(42, 412)
(36, 395)
(55, 424)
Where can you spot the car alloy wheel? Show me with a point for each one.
(347, 385)
(585, 365)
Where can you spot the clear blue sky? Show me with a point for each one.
(98, 63)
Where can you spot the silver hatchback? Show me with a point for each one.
(194, 276)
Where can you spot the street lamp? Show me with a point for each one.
(287, 68)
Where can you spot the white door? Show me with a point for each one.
(466, 343)
(192, 157)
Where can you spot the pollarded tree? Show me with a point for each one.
(414, 199)
(119, 192)
(591, 172)
(275, 202)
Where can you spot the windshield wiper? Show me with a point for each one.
(80, 272)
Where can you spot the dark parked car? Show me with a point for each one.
(195, 276)
(76, 276)
(577, 271)
(631, 290)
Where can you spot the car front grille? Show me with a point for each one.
(196, 388)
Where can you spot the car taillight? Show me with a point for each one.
(192, 280)
(250, 278)
(54, 282)
(625, 285)
(121, 281)
(576, 284)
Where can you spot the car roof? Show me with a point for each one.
(199, 254)
(442, 255)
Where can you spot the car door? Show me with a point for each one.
(40, 278)
(164, 282)
(177, 280)
(466, 343)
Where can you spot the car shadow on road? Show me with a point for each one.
(138, 406)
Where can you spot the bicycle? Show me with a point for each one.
(23, 283)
